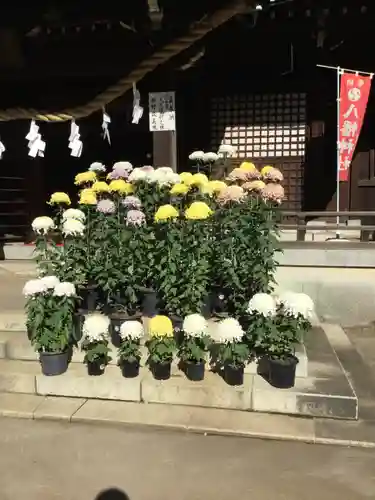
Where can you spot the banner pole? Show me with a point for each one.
(338, 156)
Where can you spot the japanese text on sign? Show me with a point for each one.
(162, 111)
(354, 94)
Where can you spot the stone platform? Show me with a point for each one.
(322, 389)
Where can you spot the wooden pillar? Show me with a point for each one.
(165, 149)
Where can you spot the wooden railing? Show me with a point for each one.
(366, 226)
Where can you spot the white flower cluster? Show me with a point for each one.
(97, 167)
(73, 227)
(42, 225)
(131, 330)
(50, 284)
(263, 304)
(195, 325)
(297, 304)
(96, 327)
(141, 174)
(73, 213)
(164, 176)
(203, 157)
(228, 330)
(226, 150)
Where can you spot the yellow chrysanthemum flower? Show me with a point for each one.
(160, 326)
(179, 188)
(59, 198)
(198, 180)
(87, 197)
(217, 186)
(120, 186)
(100, 187)
(165, 212)
(206, 189)
(84, 178)
(186, 178)
(247, 166)
(198, 211)
(266, 169)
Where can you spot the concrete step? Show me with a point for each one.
(15, 345)
(330, 398)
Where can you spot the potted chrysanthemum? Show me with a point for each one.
(50, 310)
(95, 343)
(129, 353)
(161, 347)
(233, 352)
(292, 321)
(193, 347)
(260, 323)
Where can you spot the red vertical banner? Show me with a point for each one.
(354, 93)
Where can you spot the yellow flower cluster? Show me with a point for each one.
(160, 326)
(119, 186)
(165, 212)
(198, 210)
(186, 177)
(100, 187)
(198, 180)
(179, 189)
(87, 197)
(266, 169)
(217, 186)
(59, 198)
(247, 166)
(85, 178)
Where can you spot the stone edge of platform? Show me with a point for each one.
(71, 410)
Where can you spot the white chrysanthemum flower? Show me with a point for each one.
(97, 167)
(210, 157)
(262, 303)
(137, 175)
(226, 150)
(50, 281)
(73, 227)
(64, 289)
(95, 327)
(73, 213)
(196, 156)
(164, 176)
(195, 325)
(34, 287)
(41, 225)
(132, 330)
(228, 330)
(297, 304)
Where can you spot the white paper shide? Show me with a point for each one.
(35, 144)
(75, 143)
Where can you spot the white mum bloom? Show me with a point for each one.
(196, 156)
(65, 289)
(137, 175)
(195, 325)
(164, 176)
(229, 330)
(97, 167)
(73, 227)
(262, 303)
(131, 329)
(50, 281)
(73, 213)
(226, 150)
(95, 327)
(297, 304)
(34, 287)
(210, 157)
(41, 225)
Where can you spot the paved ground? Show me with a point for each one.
(50, 461)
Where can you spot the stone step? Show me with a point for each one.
(310, 397)
(15, 345)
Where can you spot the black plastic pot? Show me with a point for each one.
(282, 372)
(89, 297)
(194, 371)
(95, 368)
(149, 303)
(54, 363)
(233, 375)
(116, 321)
(129, 369)
(161, 371)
